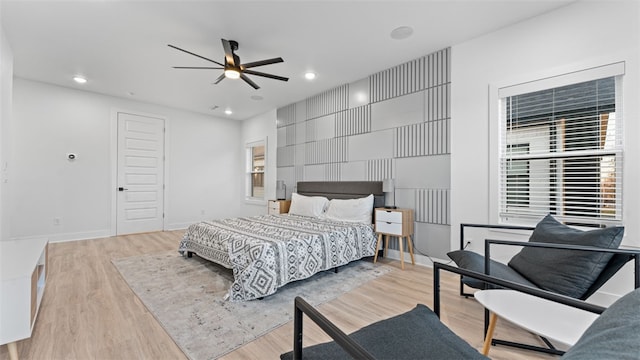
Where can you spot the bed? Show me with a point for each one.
(268, 251)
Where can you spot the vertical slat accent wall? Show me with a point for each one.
(285, 156)
(380, 169)
(332, 172)
(326, 151)
(424, 139)
(393, 124)
(328, 102)
(286, 115)
(353, 121)
(415, 75)
(432, 206)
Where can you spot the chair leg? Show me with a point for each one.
(489, 336)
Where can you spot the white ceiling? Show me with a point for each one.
(121, 46)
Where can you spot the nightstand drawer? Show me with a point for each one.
(275, 207)
(389, 227)
(389, 216)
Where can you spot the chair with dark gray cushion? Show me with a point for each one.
(557, 258)
(419, 334)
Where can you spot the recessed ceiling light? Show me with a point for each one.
(309, 75)
(228, 112)
(401, 32)
(256, 97)
(79, 79)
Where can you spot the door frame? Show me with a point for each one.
(113, 154)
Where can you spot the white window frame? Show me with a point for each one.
(249, 172)
(497, 92)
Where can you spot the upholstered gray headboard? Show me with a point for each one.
(343, 190)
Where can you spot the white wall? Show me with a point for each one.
(261, 127)
(580, 35)
(50, 121)
(6, 86)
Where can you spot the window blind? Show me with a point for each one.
(561, 153)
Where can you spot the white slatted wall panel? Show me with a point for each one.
(437, 102)
(432, 206)
(285, 156)
(326, 151)
(353, 121)
(379, 169)
(332, 172)
(328, 102)
(286, 115)
(416, 75)
(290, 135)
(423, 139)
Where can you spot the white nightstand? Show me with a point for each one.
(394, 222)
(278, 207)
(23, 268)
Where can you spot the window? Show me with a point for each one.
(561, 151)
(255, 170)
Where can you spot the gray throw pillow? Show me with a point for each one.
(566, 272)
(614, 335)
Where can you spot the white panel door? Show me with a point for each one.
(140, 188)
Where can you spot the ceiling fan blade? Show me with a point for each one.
(262, 62)
(190, 53)
(248, 81)
(220, 78)
(228, 53)
(196, 67)
(270, 76)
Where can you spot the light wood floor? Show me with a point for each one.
(89, 312)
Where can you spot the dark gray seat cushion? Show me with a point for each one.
(565, 272)
(614, 335)
(475, 262)
(416, 334)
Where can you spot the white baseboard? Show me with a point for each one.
(64, 237)
(179, 226)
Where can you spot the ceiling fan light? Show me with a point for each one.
(232, 74)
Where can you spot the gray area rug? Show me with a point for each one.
(187, 297)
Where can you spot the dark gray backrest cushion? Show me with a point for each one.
(565, 272)
(475, 262)
(614, 335)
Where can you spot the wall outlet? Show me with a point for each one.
(201, 212)
(56, 221)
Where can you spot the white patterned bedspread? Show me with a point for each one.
(269, 251)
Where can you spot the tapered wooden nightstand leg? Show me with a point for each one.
(13, 350)
(375, 257)
(487, 340)
(410, 245)
(400, 238)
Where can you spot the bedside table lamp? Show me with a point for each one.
(389, 186)
(281, 190)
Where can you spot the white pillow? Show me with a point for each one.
(313, 206)
(354, 210)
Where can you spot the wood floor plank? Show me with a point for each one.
(89, 312)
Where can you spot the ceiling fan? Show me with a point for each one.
(232, 67)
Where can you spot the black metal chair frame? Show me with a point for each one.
(358, 352)
(550, 349)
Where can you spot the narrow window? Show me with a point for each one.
(256, 160)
